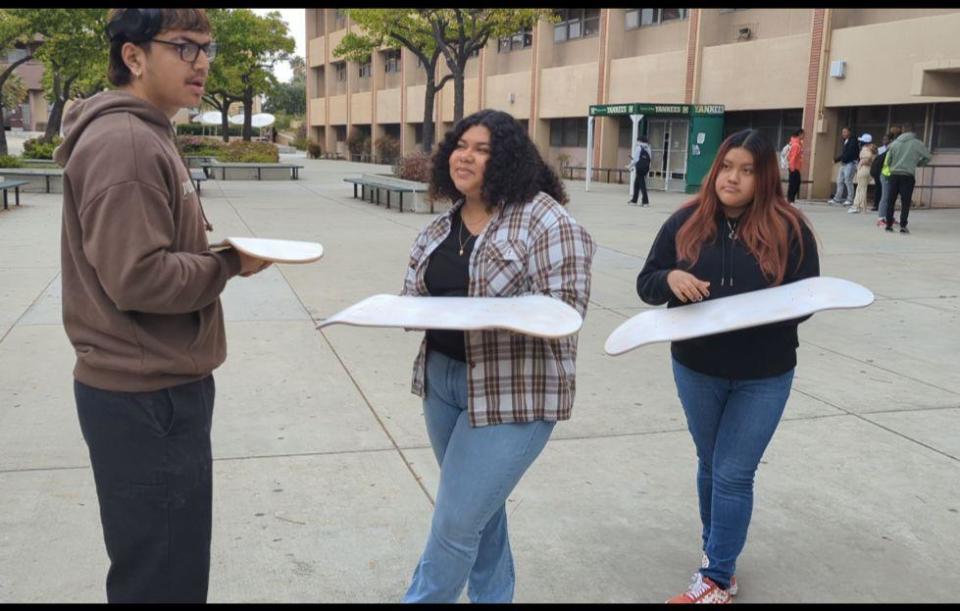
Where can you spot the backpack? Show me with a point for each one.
(785, 157)
(643, 161)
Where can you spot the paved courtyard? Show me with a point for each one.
(324, 478)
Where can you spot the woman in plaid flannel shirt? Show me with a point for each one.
(490, 398)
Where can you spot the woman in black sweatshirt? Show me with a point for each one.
(737, 235)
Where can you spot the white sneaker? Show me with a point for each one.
(705, 563)
(853, 211)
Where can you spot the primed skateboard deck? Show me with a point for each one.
(536, 315)
(737, 312)
(277, 251)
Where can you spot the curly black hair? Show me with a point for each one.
(515, 172)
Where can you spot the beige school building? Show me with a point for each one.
(772, 69)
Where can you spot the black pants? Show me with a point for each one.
(640, 184)
(902, 185)
(793, 186)
(152, 464)
(877, 191)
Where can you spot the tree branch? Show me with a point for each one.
(443, 81)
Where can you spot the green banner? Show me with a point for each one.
(653, 110)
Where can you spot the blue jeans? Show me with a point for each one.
(479, 467)
(884, 196)
(845, 181)
(731, 421)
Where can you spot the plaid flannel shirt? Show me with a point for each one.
(536, 248)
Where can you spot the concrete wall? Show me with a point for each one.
(388, 106)
(415, 96)
(873, 79)
(316, 50)
(764, 23)
(758, 74)
(361, 108)
(568, 91)
(318, 112)
(338, 110)
(647, 78)
(500, 87)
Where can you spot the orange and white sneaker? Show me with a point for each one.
(705, 563)
(702, 590)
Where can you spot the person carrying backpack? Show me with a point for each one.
(640, 163)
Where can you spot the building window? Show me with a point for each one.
(391, 61)
(341, 71)
(946, 126)
(576, 23)
(520, 40)
(339, 19)
(878, 120)
(640, 17)
(569, 132)
(365, 69)
(776, 125)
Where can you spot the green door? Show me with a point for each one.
(706, 134)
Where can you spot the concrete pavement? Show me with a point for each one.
(324, 477)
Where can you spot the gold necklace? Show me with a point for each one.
(460, 236)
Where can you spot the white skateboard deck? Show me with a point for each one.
(277, 251)
(737, 312)
(536, 315)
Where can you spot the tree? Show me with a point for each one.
(429, 33)
(461, 32)
(249, 46)
(18, 28)
(291, 97)
(14, 92)
(397, 28)
(299, 67)
(74, 53)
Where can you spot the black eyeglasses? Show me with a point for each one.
(190, 51)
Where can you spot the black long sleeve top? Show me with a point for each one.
(756, 352)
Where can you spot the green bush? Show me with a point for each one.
(199, 146)
(239, 151)
(314, 150)
(10, 161)
(36, 148)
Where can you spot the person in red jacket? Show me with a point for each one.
(795, 160)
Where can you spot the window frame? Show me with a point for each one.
(391, 58)
(937, 124)
(580, 21)
(655, 19)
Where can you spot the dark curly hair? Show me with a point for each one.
(515, 172)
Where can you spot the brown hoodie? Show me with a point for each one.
(140, 286)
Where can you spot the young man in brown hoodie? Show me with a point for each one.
(141, 306)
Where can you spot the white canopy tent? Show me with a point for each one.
(259, 121)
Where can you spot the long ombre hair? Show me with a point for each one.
(767, 226)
